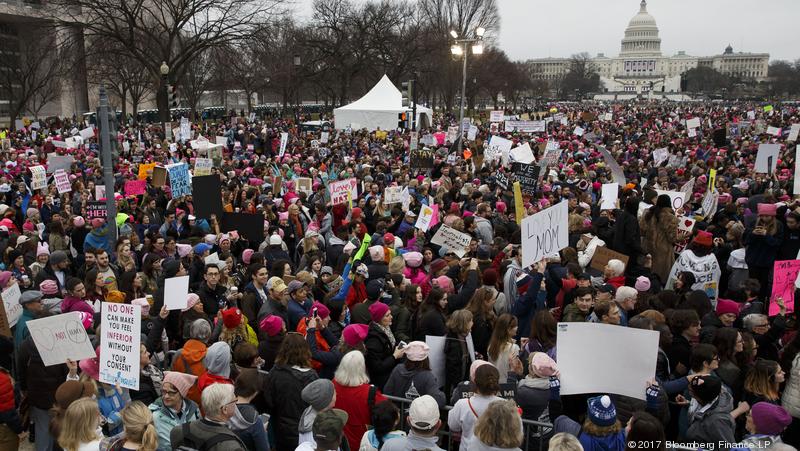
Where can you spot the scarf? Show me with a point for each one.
(388, 332)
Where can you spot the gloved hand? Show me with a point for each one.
(652, 394)
(555, 388)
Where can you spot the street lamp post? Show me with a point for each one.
(460, 48)
(164, 69)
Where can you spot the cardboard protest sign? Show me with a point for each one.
(144, 168)
(284, 142)
(767, 158)
(120, 341)
(96, 209)
(455, 241)
(709, 206)
(61, 337)
(180, 181)
(609, 195)
(545, 234)
(304, 185)
(99, 192)
(209, 189)
(603, 254)
(783, 285)
(38, 177)
(135, 187)
(528, 177)
(552, 153)
(660, 156)
(63, 184)
(497, 147)
(159, 177)
(421, 158)
(392, 195)
(602, 358)
(176, 290)
(56, 162)
(202, 166)
(424, 218)
(339, 191)
(11, 305)
(685, 225)
(250, 226)
(522, 154)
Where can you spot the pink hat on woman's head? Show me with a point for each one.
(377, 311)
(91, 366)
(191, 300)
(474, 367)
(542, 365)
(355, 334)
(78, 221)
(181, 381)
(767, 209)
(272, 325)
(247, 254)
(444, 283)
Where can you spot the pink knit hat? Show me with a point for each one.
(48, 287)
(355, 334)
(542, 365)
(444, 283)
(181, 381)
(377, 311)
(767, 209)
(144, 304)
(191, 300)
(272, 325)
(91, 366)
(247, 254)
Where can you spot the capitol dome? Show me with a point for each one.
(641, 36)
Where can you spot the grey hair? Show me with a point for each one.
(352, 370)
(750, 321)
(625, 292)
(564, 442)
(200, 330)
(214, 398)
(617, 266)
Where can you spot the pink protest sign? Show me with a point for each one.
(440, 136)
(783, 285)
(435, 217)
(135, 187)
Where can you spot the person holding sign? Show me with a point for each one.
(763, 241)
(659, 228)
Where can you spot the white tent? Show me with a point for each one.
(379, 108)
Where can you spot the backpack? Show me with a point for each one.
(193, 443)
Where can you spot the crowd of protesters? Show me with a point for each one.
(294, 341)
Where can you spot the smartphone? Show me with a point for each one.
(401, 345)
(314, 312)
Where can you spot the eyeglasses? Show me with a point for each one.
(761, 325)
(171, 392)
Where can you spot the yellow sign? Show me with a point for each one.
(518, 207)
(712, 179)
(144, 169)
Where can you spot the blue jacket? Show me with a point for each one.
(21, 332)
(165, 419)
(97, 239)
(526, 306)
(297, 312)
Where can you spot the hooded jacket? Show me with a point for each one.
(73, 304)
(189, 360)
(713, 423)
(248, 426)
(411, 384)
(165, 419)
(218, 366)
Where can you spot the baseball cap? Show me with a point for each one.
(329, 424)
(424, 413)
(276, 283)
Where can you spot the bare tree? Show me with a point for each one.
(156, 31)
(197, 79)
(123, 77)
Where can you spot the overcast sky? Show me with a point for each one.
(559, 28)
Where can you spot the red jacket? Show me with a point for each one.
(357, 294)
(354, 401)
(617, 282)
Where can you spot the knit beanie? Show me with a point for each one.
(770, 419)
(272, 325)
(318, 394)
(602, 411)
(218, 359)
(181, 381)
(642, 284)
(355, 334)
(377, 311)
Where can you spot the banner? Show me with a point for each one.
(135, 187)
(339, 191)
(455, 241)
(424, 218)
(284, 142)
(62, 181)
(783, 285)
(602, 358)
(525, 126)
(545, 233)
(202, 166)
(180, 182)
(61, 337)
(528, 177)
(38, 177)
(120, 344)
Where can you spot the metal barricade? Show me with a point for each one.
(531, 429)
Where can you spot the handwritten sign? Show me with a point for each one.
(38, 177)
(522, 154)
(421, 158)
(424, 218)
(496, 116)
(119, 344)
(144, 168)
(455, 241)
(528, 177)
(284, 142)
(61, 337)
(783, 285)
(11, 297)
(392, 195)
(202, 166)
(502, 180)
(498, 146)
(135, 187)
(62, 182)
(677, 198)
(603, 254)
(180, 182)
(342, 190)
(660, 156)
(545, 234)
(767, 158)
(304, 185)
(693, 123)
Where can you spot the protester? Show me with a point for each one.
(211, 431)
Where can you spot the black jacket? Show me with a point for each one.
(432, 322)
(212, 299)
(284, 403)
(627, 237)
(380, 356)
(39, 381)
(457, 362)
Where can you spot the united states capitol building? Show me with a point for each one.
(640, 67)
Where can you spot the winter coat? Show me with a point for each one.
(709, 325)
(39, 381)
(433, 322)
(714, 424)
(573, 315)
(165, 420)
(189, 359)
(411, 384)
(457, 362)
(248, 426)
(282, 396)
(401, 322)
(483, 228)
(355, 401)
(791, 394)
(627, 237)
(205, 430)
(659, 236)
(533, 396)
(761, 251)
(73, 304)
(380, 356)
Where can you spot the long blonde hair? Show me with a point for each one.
(499, 426)
(79, 425)
(137, 420)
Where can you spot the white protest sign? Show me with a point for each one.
(692, 133)
(793, 132)
(119, 344)
(472, 132)
(202, 166)
(11, 297)
(62, 182)
(452, 134)
(608, 117)
(767, 153)
(324, 136)
(496, 116)
(186, 129)
(61, 337)
(221, 140)
(284, 142)
(406, 197)
(176, 290)
(392, 195)
(424, 218)
(38, 177)
(751, 115)
(99, 192)
(87, 133)
(545, 233)
(339, 191)
(56, 162)
(693, 123)
(578, 131)
(497, 147)
(616, 170)
(436, 357)
(522, 154)
(688, 187)
(774, 131)
(706, 272)
(455, 241)
(677, 198)
(608, 198)
(709, 206)
(602, 358)
(660, 155)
